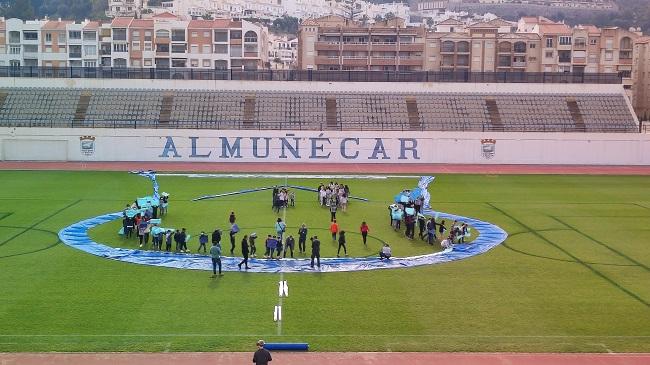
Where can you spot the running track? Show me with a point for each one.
(324, 358)
(379, 168)
(329, 358)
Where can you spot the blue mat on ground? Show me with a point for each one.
(76, 236)
(489, 236)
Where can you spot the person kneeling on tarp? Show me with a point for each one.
(385, 252)
(447, 243)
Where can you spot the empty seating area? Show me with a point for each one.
(548, 113)
(304, 110)
(604, 113)
(123, 108)
(452, 111)
(38, 107)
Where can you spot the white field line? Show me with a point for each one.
(297, 176)
(316, 335)
(284, 219)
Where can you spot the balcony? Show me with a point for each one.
(251, 54)
(580, 60)
(564, 60)
(410, 61)
(625, 61)
(327, 60)
(412, 47)
(354, 46)
(519, 64)
(355, 60)
(74, 55)
(326, 46)
(385, 47)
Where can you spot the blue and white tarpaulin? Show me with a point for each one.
(489, 236)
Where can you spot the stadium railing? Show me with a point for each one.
(293, 126)
(309, 75)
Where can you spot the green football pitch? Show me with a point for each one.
(573, 276)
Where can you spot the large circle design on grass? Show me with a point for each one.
(76, 236)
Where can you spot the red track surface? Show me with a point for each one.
(329, 358)
(330, 168)
(325, 358)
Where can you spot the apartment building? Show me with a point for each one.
(283, 52)
(481, 47)
(124, 8)
(583, 48)
(163, 41)
(335, 43)
(641, 78)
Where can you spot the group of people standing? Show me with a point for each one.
(283, 198)
(429, 229)
(333, 196)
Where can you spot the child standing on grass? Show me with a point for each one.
(334, 229)
(203, 240)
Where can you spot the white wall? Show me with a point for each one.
(318, 147)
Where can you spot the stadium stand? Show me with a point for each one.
(317, 110)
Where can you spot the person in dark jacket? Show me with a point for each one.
(342, 244)
(244, 253)
(262, 356)
(302, 239)
(315, 251)
(216, 236)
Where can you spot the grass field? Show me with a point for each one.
(573, 276)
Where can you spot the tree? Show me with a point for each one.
(378, 18)
(285, 24)
(389, 16)
(430, 23)
(206, 16)
(364, 19)
(21, 9)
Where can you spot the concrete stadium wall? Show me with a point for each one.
(32, 144)
(316, 86)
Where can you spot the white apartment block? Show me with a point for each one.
(163, 41)
(124, 8)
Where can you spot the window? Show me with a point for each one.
(609, 55)
(178, 48)
(76, 34)
(164, 48)
(178, 35)
(593, 41)
(532, 46)
(90, 63)
(30, 48)
(135, 35)
(549, 42)
(147, 35)
(30, 36)
(14, 49)
(221, 49)
(565, 40)
(48, 49)
(120, 47)
(593, 58)
(235, 34)
(147, 62)
(90, 50)
(147, 46)
(195, 34)
(625, 74)
(235, 51)
(580, 42)
(90, 35)
(62, 38)
(250, 37)
(476, 44)
(161, 33)
(609, 43)
(179, 62)
(564, 56)
(206, 34)
(194, 48)
(62, 49)
(136, 63)
(626, 43)
(194, 63)
(548, 54)
(135, 46)
(48, 37)
(221, 36)
(119, 34)
(520, 47)
(206, 63)
(207, 49)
